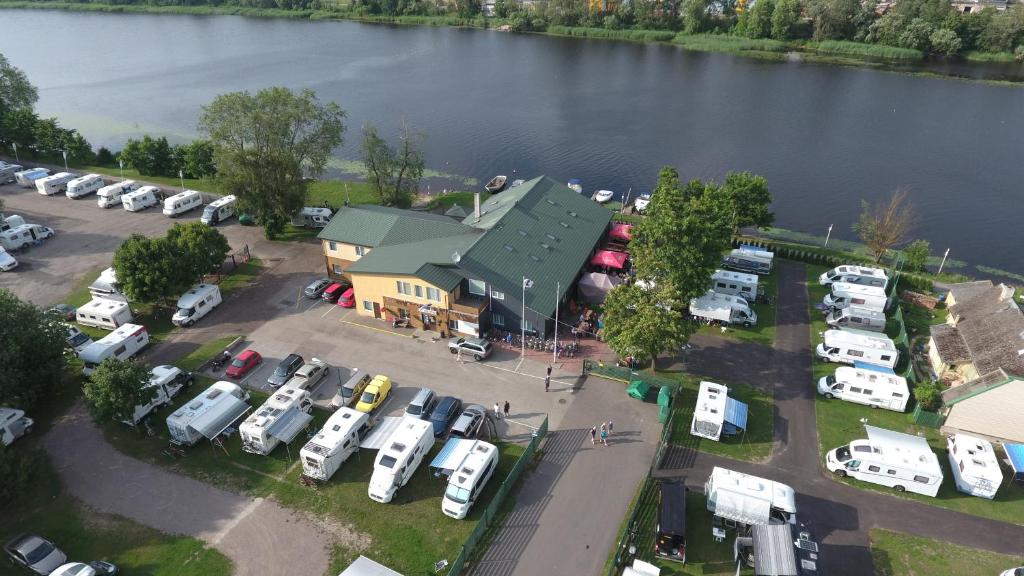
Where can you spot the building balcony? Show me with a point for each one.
(470, 305)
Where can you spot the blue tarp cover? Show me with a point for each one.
(1016, 454)
(868, 366)
(736, 413)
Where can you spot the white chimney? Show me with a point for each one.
(476, 205)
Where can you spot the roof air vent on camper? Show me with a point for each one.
(398, 446)
(214, 393)
(335, 428)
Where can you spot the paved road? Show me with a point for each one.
(258, 535)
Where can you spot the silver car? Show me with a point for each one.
(35, 553)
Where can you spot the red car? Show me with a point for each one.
(348, 299)
(243, 363)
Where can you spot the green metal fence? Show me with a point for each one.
(621, 374)
(926, 418)
(491, 512)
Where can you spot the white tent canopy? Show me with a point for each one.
(594, 286)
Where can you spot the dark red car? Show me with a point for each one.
(243, 363)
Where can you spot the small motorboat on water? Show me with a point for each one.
(517, 182)
(497, 184)
(576, 185)
(642, 201)
(602, 196)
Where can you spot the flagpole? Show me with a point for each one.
(65, 154)
(554, 353)
(522, 321)
(181, 175)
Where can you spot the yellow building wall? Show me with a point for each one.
(343, 251)
(374, 287)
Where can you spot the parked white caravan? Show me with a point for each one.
(279, 419)
(218, 211)
(140, 199)
(13, 425)
(208, 414)
(723, 308)
(106, 286)
(749, 259)
(77, 340)
(27, 178)
(855, 275)
(399, 457)
(716, 414)
(849, 346)
(310, 217)
(182, 202)
(11, 222)
(866, 384)
(196, 303)
(104, 313)
(975, 466)
(56, 184)
(7, 172)
(110, 196)
(749, 500)
(122, 344)
(844, 295)
(735, 283)
(339, 438)
(167, 382)
(84, 185)
(21, 237)
(855, 316)
(7, 262)
(901, 461)
(469, 477)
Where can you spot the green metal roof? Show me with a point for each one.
(376, 226)
(430, 260)
(541, 230)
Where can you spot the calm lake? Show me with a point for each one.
(609, 113)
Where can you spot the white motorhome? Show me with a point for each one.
(104, 313)
(901, 461)
(56, 184)
(84, 185)
(855, 275)
(749, 259)
(11, 222)
(110, 196)
(7, 172)
(21, 237)
(122, 344)
(735, 283)
(748, 500)
(196, 303)
(310, 217)
(218, 211)
(13, 425)
(855, 316)
(265, 428)
(106, 286)
(339, 438)
(716, 414)
(167, 382)
(27, 178)
(182, 202)
(399, 457)
(867, 384)
(77, 340)
(723, 308)
(7, 262)
(208, 414)
(469, 477)
(975, 466)
(843, 295)
(140, 199)
(849, 346)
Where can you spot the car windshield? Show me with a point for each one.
(414, 410)
(39, 552)
(843, 453)
(440, 415)
(238, 363)
(346, 392)
(457, 494)
(368, 397)
(185, 311)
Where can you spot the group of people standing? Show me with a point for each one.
(603, 434)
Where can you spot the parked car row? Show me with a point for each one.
(334, 292)
(44, 557)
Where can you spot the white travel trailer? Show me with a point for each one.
(56, 184)
(749, 500)
(735, 283)
(104, 313)
(7, 172)
(469, 477)
(843, 295)
(399, 457)
(7, 262)
(110, 196)
(11, 222)
(339, 438)
(106, 286)
(901, 461)
(13, 425)
(182, 202)
(167, 382)
(855, 316)
(27, 178)
(716, 414)
(867, 384)
(278, 420)
(849, 346)
(723, 308)
(975, 466)
(208, 414)
(84, 185)
(218, 211)
(122, 344)
(196, 303)
(749, 259)
(140, 199)
(855, 275)
(310, 217)
(21, 237)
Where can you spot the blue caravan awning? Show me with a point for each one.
(735, 416)
(451, 455)
(868, 366)
(1016, 454)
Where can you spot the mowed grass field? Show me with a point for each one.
(897, 554)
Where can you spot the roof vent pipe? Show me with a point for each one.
(476, 206)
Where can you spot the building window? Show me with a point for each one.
(337, 268)
(497, 295)
(477, 287)
(367, 305)
(497, 319)
(453, 325)
(419, 291)
(333, 245)
(403, 313)
(526, 325)
(404, 287)
(434, 294)
(360, 251)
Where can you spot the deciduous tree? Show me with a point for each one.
(147, 269)
(15, 89)
(395, 174)
(759, 22)
(115, 388)
(642, 323)
(31, 354)
(885, 226)
(200, 250)
(749, 198)
(150, 156)
(916, 255)
(784, 18)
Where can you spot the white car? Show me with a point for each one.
(1014, 572)
(7, 262)
(97, 568)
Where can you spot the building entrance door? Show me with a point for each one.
(376, 310)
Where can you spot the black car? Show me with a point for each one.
(35, 553)
(64, 312)
(317, 287)
(468, 424)
(285, 370)
(446, 411)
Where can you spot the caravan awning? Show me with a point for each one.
(740, 508)
(621, 231)
(381, 432)
(451, 455)
(736, 413)
(874, 367)
(1015, 452)
(774, 553)
(213, 422)
(289, 425)
(609, 259)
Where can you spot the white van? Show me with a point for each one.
(122, 344)
(7, 172)
(218, 211)
(849, 346)
(868, 385)
(339, 438)
(7, 262)
(140, 199)
(56, 184)
(894, 459)
(27, 178)
(844, 295)
(104, 313)
(13, 425)
(723, 309)
(196, 303)
(110, 196)
(399, 457)
(182, 202)
(268, 425)
(855, 316)
(77, 340)
(735, 283)
(975, 466)
(312, 217)
(20, 237)
(855, 275)
(208, 414)
(167, 381)
(468, 479)
(84, 185)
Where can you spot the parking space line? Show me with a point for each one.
(524, 424)
(328, 311)
(343, 321)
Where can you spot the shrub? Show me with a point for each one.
(928, 396)
(19, 467)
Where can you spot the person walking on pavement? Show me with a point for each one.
(609, 427)
(507, 406)
(604, 436)
(547, 383)
(549, 371)
(497, 411)
(593, 435)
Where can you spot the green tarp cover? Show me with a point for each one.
(664, 396)
(638, 389)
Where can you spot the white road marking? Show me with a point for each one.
(242, 515)
(332, 307)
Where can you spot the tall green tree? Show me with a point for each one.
(640, 323)
(916, 255)
(885, 226)
(195, 159)
(759, 22)
(394, 173)
(266, 143)
(834, 19)
(200, 250)
(18, 126)
(32, 354)
(749, 199)
(785, 18)
(15, 89)
(147, 269)
(115, 388)
(150, 156)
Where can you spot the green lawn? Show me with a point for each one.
(200, 355)
(242, 276)
(335, 192)
(897, 554)
(203, 185)
(463, 199)
(755, 445)
(764, 332)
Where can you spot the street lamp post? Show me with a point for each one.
(554, 353)
(943, 262)
(527, 283)
(181, 176)
(65, 154)
(15, 144)
(829, 235)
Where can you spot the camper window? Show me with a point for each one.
(855, 390)
(890, 472)
(120, 350)
(868, 392)
(886, 358)
(921, 479)
(961, 465)
(388, 461)
(874, 469)
(897, 395)
(457, 494)
(864, 448)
